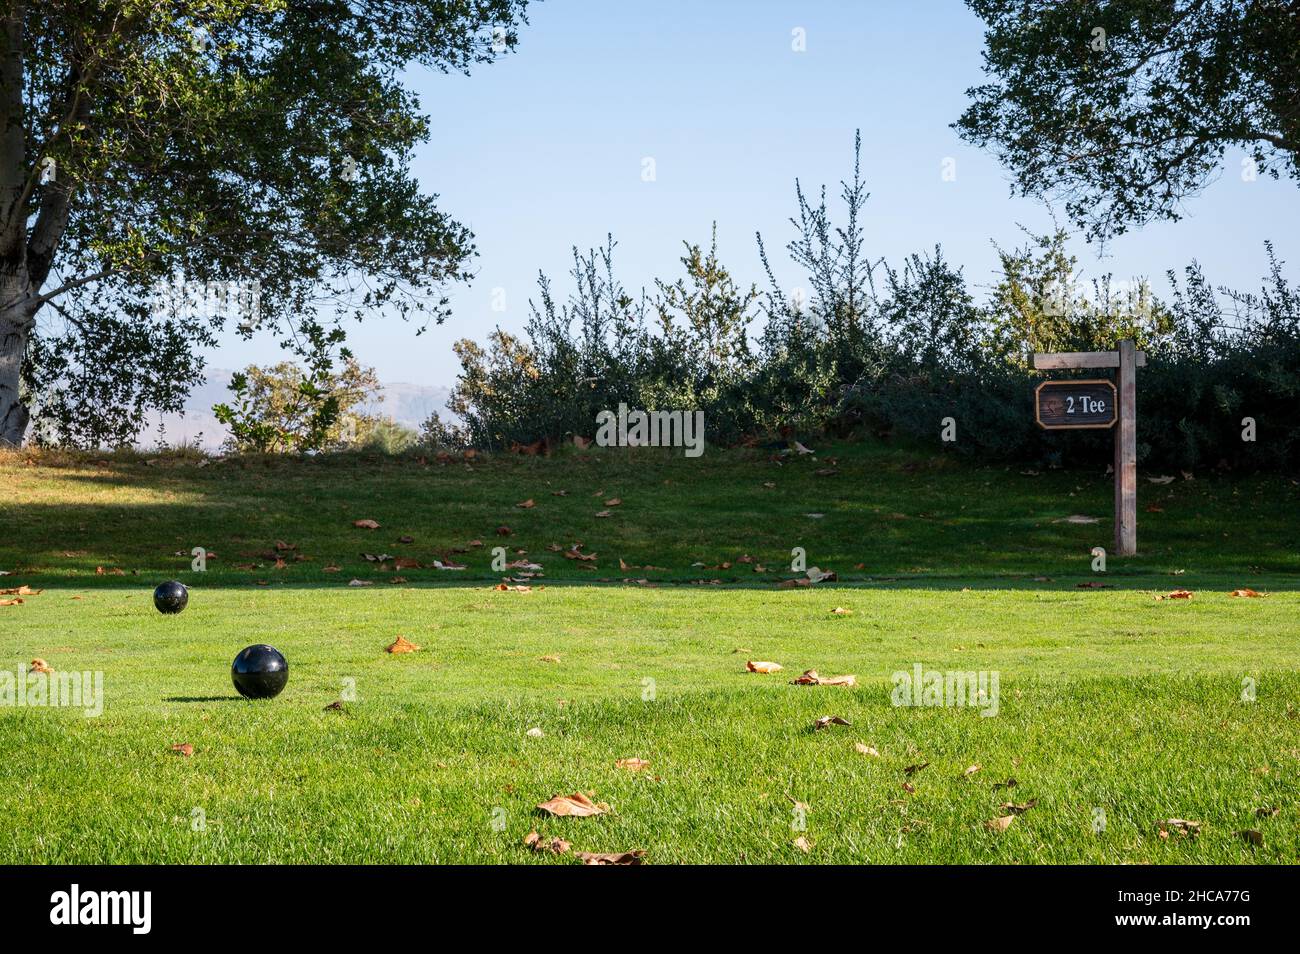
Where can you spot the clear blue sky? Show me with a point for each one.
(543, 150)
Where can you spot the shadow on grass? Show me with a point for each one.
(204, 699)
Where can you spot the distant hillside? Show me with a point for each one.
(408, 404)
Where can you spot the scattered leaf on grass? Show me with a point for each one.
(610, 857)
(509, 588)
(549, 659)
(366, 524)
(841, 611)
(1271, 811)
(23, 590)
(1093, 585)
(184, 748)
(763, 667)
(1254, 838)
(614, 502)
(1246, 593)
(864, 749)
(576, 805)
(402, 645)
(823, 721)
(1176, 595)
(970, 770)
(913, 769)
(811, 678)
(632, 764)
(535, 732)
(361, 582)
(603, 513)
(909, 788)
(40, 665)
(1161, 480)
(526, 504)
(556, 845)
(16, 601)
(803, 844)
(335, 706)
(1014, 809)
(1000, 824)
(1181, 826)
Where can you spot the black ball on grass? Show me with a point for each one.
(259, 672)
(171, 597)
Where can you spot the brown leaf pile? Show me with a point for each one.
(1246, 593)
(40, 665)
(402, 645)
(1176, 595)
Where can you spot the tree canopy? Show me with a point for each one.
(168, 169)
(1125, 108)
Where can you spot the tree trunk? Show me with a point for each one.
(16, 321)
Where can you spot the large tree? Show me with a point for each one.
(1125, 108)
(168, 167)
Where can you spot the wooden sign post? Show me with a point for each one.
(1078, 405)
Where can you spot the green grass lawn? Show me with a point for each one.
(1110, 701)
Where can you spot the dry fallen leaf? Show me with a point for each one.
(184, 748)
(1000, 824)
(823, 721)
(603, 513)
(527, 504)
(632, 764)
(1176, 595)
(23, 590)
(556, 845)
(1252, 837)
(535, 732)
(803, 844)
(576, 805)
(361, 582)
(1185, 828)
(366, 524)
(763, 667)
(863, 749)
(549, 659)
(402, 645)
(613, 502)
(1246, 593)
(811, 678)
(841, 611)
(1012, 808)
(913, 769)
(610, 858)
(16, 601)
(40, 665)
(970, 770)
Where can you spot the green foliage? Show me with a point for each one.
(241, 143)
(892, 351)
(1125, 108)
(289, 409)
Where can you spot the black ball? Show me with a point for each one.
(171, 597)
(259, 672)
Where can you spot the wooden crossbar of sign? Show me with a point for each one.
(1060, 360)
(1099, 404)
(1075, 405)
